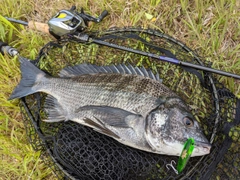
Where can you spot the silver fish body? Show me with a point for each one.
(128, 104)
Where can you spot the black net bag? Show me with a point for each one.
(77, 152)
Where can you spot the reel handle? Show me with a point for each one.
(102, 16)
(87, 17)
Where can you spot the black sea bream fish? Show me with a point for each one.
(128, 104)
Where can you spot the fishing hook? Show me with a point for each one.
(171, 165)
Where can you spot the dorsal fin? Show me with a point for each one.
(81, 69)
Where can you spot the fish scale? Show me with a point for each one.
(93, 93)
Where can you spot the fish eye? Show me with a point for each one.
(188, 122)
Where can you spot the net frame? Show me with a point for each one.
(202, 168)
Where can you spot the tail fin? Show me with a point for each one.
(30, 76)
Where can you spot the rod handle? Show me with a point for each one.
(42, 27)
(6, 49)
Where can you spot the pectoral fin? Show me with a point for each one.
(100, 127)
(112, 116)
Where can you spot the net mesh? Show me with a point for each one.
(77, 152)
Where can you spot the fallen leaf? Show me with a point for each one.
(148, 16)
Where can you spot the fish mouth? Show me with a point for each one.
(205, 146)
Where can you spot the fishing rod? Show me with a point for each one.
(86, 38)
(72, 23)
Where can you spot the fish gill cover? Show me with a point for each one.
(77, 152)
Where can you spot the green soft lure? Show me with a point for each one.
(185, 155)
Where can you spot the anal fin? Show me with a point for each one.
(54, 110)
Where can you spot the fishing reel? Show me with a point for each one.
(70, 21)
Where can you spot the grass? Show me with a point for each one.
(212, 27)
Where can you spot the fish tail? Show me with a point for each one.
(31, 76)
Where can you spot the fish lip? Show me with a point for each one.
(205, 145)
